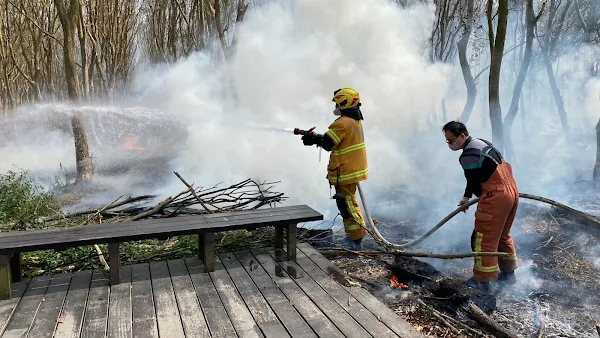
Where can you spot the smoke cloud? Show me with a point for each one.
(289, 60)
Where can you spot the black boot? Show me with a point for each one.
(357, 244)
(507, 278)
(478, 285)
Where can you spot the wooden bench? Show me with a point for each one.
(12, 244)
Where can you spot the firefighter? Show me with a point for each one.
(347, 161)
(490, 178)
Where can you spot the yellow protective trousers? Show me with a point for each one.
(354, 224)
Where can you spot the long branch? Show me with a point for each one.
(333, 251)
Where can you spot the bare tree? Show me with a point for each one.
(496, 53)
(531, 20)
(222, 29)
(68, 12)
(596, 175)
(464, 64)
(446, 28)
(552, 34)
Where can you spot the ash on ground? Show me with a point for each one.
(558, 288)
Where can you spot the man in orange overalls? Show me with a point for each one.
(490, 178)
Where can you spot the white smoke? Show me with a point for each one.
(288, 63)
(289, 60)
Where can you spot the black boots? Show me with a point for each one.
(507, 278)
(504, 279)
(478, 285)
(355, 245)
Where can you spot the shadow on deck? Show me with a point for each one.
(250, 294)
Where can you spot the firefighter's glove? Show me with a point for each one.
(312, 139)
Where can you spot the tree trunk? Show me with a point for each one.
(547, 53)
(85, 68)
(560, 104)
(531, 20)
(69, 18)
(497, 52)
(597, 166)
(465, 67)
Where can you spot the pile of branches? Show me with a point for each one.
(245, 195)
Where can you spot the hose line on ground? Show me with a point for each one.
(379, 239)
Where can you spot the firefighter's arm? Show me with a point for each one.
(320, 140)
(332, 137)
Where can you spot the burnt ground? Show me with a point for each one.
(558, 289)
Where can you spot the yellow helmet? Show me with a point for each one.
(345, 98)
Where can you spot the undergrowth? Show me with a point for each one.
(22, 202)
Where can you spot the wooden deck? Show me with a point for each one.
(250, 294)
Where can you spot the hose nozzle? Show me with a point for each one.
(298, 131)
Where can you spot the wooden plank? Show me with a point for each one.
(71, 317)
(384, 313)
(318, 321)
(240, 316)
(46, 318)
(218, 322)
(167, 313)
(341, 295)
(142, 302)
(95, 320)
(257, 305)
(329, 306)
(289, 316)
(192, 317)
(7, 307)
(129, 231)
(119, 311)
(27, 308)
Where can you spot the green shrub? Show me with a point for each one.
(23, 201)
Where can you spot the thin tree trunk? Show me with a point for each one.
(596, 176)
(531, 20)
(465, 67)
(68, 18)
(560, 105)
(547, 56)
(497, 52)
(85, 68)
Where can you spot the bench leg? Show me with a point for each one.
(279, 237)
(5, 279)
(291, 238)
(114, 262)
(206, 250)
(15, 267)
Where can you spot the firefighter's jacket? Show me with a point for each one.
(348, 158)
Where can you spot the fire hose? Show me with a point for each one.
(379, 239)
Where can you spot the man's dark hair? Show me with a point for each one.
(456, 128)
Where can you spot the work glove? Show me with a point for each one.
(312, 139)
(463, 201)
